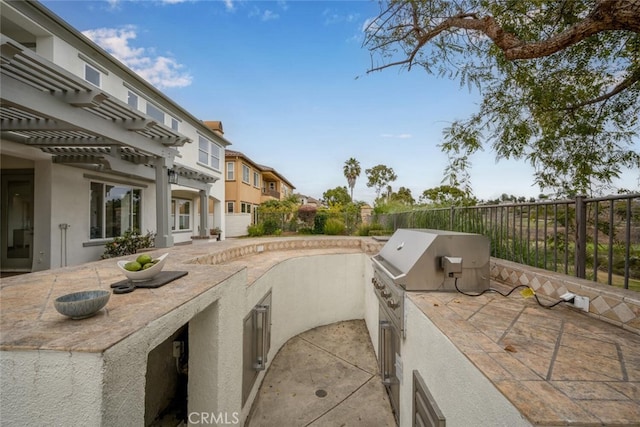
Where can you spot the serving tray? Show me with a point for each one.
(160, 279)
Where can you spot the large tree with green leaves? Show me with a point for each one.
(337, 196)
(403, 195)
(351, 172)
(379, 177)
(560, 80)
(446, 195)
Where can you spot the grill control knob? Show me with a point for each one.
(377, 284)
(385, 295)
(393, 304)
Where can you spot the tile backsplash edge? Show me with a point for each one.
(620, 307)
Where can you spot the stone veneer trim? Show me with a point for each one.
(620, 307)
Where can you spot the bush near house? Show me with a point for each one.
(306, 215)
(334, 227)
(255, 230)
(373, 229)
(319, 222)
(128, 244)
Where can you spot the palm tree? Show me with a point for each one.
(351, 172)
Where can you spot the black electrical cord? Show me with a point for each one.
(507, 294)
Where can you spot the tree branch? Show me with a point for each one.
(623, 85)
(607, 15)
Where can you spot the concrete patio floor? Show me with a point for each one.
(327, 376)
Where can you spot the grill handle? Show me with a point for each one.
(387, 272)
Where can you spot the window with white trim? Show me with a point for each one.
(245, 173)
(92, 75)
(208, 153)
(132, 100)
(245, 207)
(256, 179)
(230, 171)
(174, 123)
(114, 210)
(180, 214)
(230, 207)
(155, 113)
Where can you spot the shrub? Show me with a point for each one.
(305, 230)
(128, 244)
(367, 229)
(307, 213)
(319, 221)
(255, 230)
(270, 225)
(334, 227)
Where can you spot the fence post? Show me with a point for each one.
(581, 238)
(451, 217)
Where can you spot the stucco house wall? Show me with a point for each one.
(61, 186)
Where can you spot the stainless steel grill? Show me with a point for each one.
(420, 260)
(432, 260)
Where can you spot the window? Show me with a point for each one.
(208, 153)
(155, 113)
(114, 210)
(245, 173)
(272, 186)
(245, 207)
(256, 179)
(180, 214)
(230, 207)
(174, 124)
(230, 171)
(132, 100)
(91, 75)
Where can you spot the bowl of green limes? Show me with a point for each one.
(144, 267)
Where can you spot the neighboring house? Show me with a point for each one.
(307, 200)
(90, 150)
(248, 184)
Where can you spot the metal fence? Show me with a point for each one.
(592, 238)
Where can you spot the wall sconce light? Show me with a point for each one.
(173, 176)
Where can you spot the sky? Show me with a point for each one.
(288, 81)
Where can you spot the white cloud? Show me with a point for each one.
(229, 4)
(161, 71)
(264, 15)
(331, 17)
(268, 15)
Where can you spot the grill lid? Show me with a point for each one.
(413, 259)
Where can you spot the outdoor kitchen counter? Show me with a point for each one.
(29, 320)
(557, 366)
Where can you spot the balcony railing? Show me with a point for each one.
(271, 193)
(592, 238)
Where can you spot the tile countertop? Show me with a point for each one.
(557, 366)
(29, 320)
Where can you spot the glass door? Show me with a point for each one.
(16, 219)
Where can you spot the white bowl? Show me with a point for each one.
(142, 275)
(79, 305)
